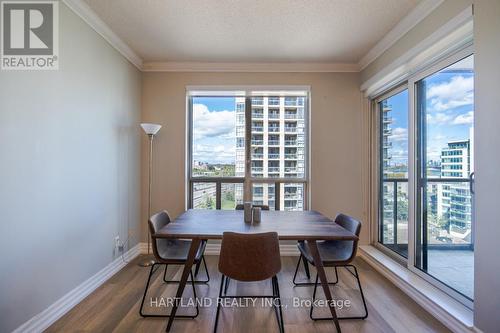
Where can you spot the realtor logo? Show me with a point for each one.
(29, 35)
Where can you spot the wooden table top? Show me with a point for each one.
(296, 225)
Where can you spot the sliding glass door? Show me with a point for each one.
(444, 228)
(426, 174)
(393, 143)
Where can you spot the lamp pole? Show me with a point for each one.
(151, 130)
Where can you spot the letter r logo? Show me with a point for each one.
(27, 28)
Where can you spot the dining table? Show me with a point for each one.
(204, 224)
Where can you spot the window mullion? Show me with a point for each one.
(247, 185)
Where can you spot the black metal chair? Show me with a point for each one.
(334, 254)
(251, 258)
(171, 252)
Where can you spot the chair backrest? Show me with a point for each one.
(155, 223)
(250, 257)
(353, 226)
(242, 207)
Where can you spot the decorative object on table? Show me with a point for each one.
(150, 130)
(256, 214)
(247, 207)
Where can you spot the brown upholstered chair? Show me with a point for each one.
(241, 207)
(251, 258)
(334, 254)
(171, 252)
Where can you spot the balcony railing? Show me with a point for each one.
(273, 169)
(290, 156)
(257, 129)
(273, 142)
(274, 129)
(257, 115)
(273, 156)
(290, 116)
(291, 169)
(274, 116)
(211, 192)
(273, 101)
(258, 156)
(257, 101)
(290, 129)
(392, 218)
(257, 169)
(290, 142)
(292, 196)
(257, 142)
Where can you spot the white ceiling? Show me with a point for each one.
(329, 31)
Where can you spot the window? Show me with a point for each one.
(256, 142)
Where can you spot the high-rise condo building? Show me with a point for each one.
(277, 148)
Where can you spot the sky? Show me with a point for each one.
(449, 111)
(214, 136)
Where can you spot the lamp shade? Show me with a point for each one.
(150, 129)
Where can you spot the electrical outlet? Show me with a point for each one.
(118, 245)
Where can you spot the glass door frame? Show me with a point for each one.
(413, 179)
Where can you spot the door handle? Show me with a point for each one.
(471, 183)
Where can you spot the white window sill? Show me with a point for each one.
(454, 315)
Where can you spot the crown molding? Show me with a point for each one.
(248, 67)
(421, 11)
(90, 17)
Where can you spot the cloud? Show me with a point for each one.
(456, 92)
(439, 118)
(214, 153)
(399, 134)
(212, 124)
(464, 119)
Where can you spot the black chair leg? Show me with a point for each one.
(276, 292)
(228, 280)
(197, 266)
(306, 267)
(145, 315)
(355, 274)
(219, 303)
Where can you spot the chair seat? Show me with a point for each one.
(176, 250)
(331, 252)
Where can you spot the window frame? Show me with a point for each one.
(247, 180)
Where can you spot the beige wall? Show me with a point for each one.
(336, 136)
(446, 11)
(69, 170)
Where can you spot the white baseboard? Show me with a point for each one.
(47, 317)
(214, 249)
(444, 308)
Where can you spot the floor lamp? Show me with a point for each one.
(151, 130)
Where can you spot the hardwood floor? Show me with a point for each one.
(114, 306)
